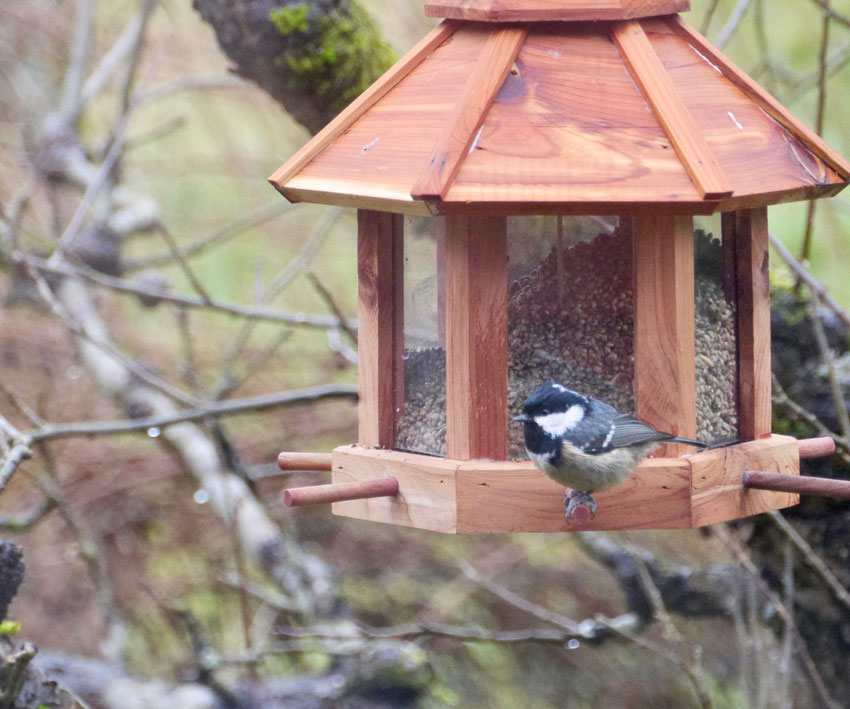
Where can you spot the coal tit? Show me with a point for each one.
(585, 444)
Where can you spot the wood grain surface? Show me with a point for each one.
(476, 338)
(379, 238)
(674, 117)
(363, 103)
(665, 374)
(462, 124)
(426, 496)
(718, 491)
(753, 312)
(547, 10)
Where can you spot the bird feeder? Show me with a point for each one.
(564, 190)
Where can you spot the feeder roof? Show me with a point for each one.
(549, 10)
(550, 117)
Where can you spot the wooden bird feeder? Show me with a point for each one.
(535, 184)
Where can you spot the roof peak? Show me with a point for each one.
(552, 10)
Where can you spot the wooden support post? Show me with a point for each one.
(665, 377)
(753, 291)
(440, 237)
(476, 338)
(380, 317)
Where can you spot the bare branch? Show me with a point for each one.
(28, 519)
(434, 630)
(210, 410)
(815, 286)
(723, 534)
(829, 362)
(516, 601)
(781, 398)
(238, 226)
(81, 42)
(248, 312)
(814, 559)
(673, 636)
(732, 23)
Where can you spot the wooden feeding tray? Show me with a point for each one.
(527, 180)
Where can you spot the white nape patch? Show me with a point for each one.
(734, 120)
(558, 423)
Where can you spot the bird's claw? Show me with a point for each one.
(576, 500)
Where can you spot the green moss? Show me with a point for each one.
(342, 55)
(10, 627)
(290, 20)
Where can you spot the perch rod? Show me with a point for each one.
(803, 485)
(304, 461)
(338, 492)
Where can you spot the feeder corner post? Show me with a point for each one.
(476, 338)
(380, 243)
(665, 370)
(748, 228)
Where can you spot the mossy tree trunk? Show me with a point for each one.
(313, 57)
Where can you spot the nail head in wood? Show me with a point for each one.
(339, 492)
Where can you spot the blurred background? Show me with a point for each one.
(147, 270)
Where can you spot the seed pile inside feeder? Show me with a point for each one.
(581, 334)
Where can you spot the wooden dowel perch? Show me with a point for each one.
(803, 485)
(338, 492)
(816, 447)
(304, 461)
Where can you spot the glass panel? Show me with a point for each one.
(421, 411)
(716, 341)
(570, 313)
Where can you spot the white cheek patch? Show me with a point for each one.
(557, 424)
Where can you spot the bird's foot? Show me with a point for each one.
(579, 506)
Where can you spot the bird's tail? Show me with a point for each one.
(701, 444)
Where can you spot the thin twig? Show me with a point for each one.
(829, 363)
(81, 43)
(815, 286)
(672, 635)
(28, 520)
(735, 546)
(184, 265)
(434, 630)
(210, 410)
(806, 248)
(259, 216)
(781, 398)
(812, 558)
(732, 23)
(322, 322)
(305, 255)
(516, 601)
(329, 300)
(709, 15)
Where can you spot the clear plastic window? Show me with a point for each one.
(421, 409)
(570, 310)
(716, 333)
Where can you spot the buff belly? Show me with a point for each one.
(589, 473)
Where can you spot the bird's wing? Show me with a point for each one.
(627, 431)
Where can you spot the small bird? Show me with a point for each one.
(585, 444)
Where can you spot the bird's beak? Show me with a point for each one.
(522, 417)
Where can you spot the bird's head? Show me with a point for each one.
(553, 408)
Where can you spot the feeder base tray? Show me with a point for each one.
(461, 497)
